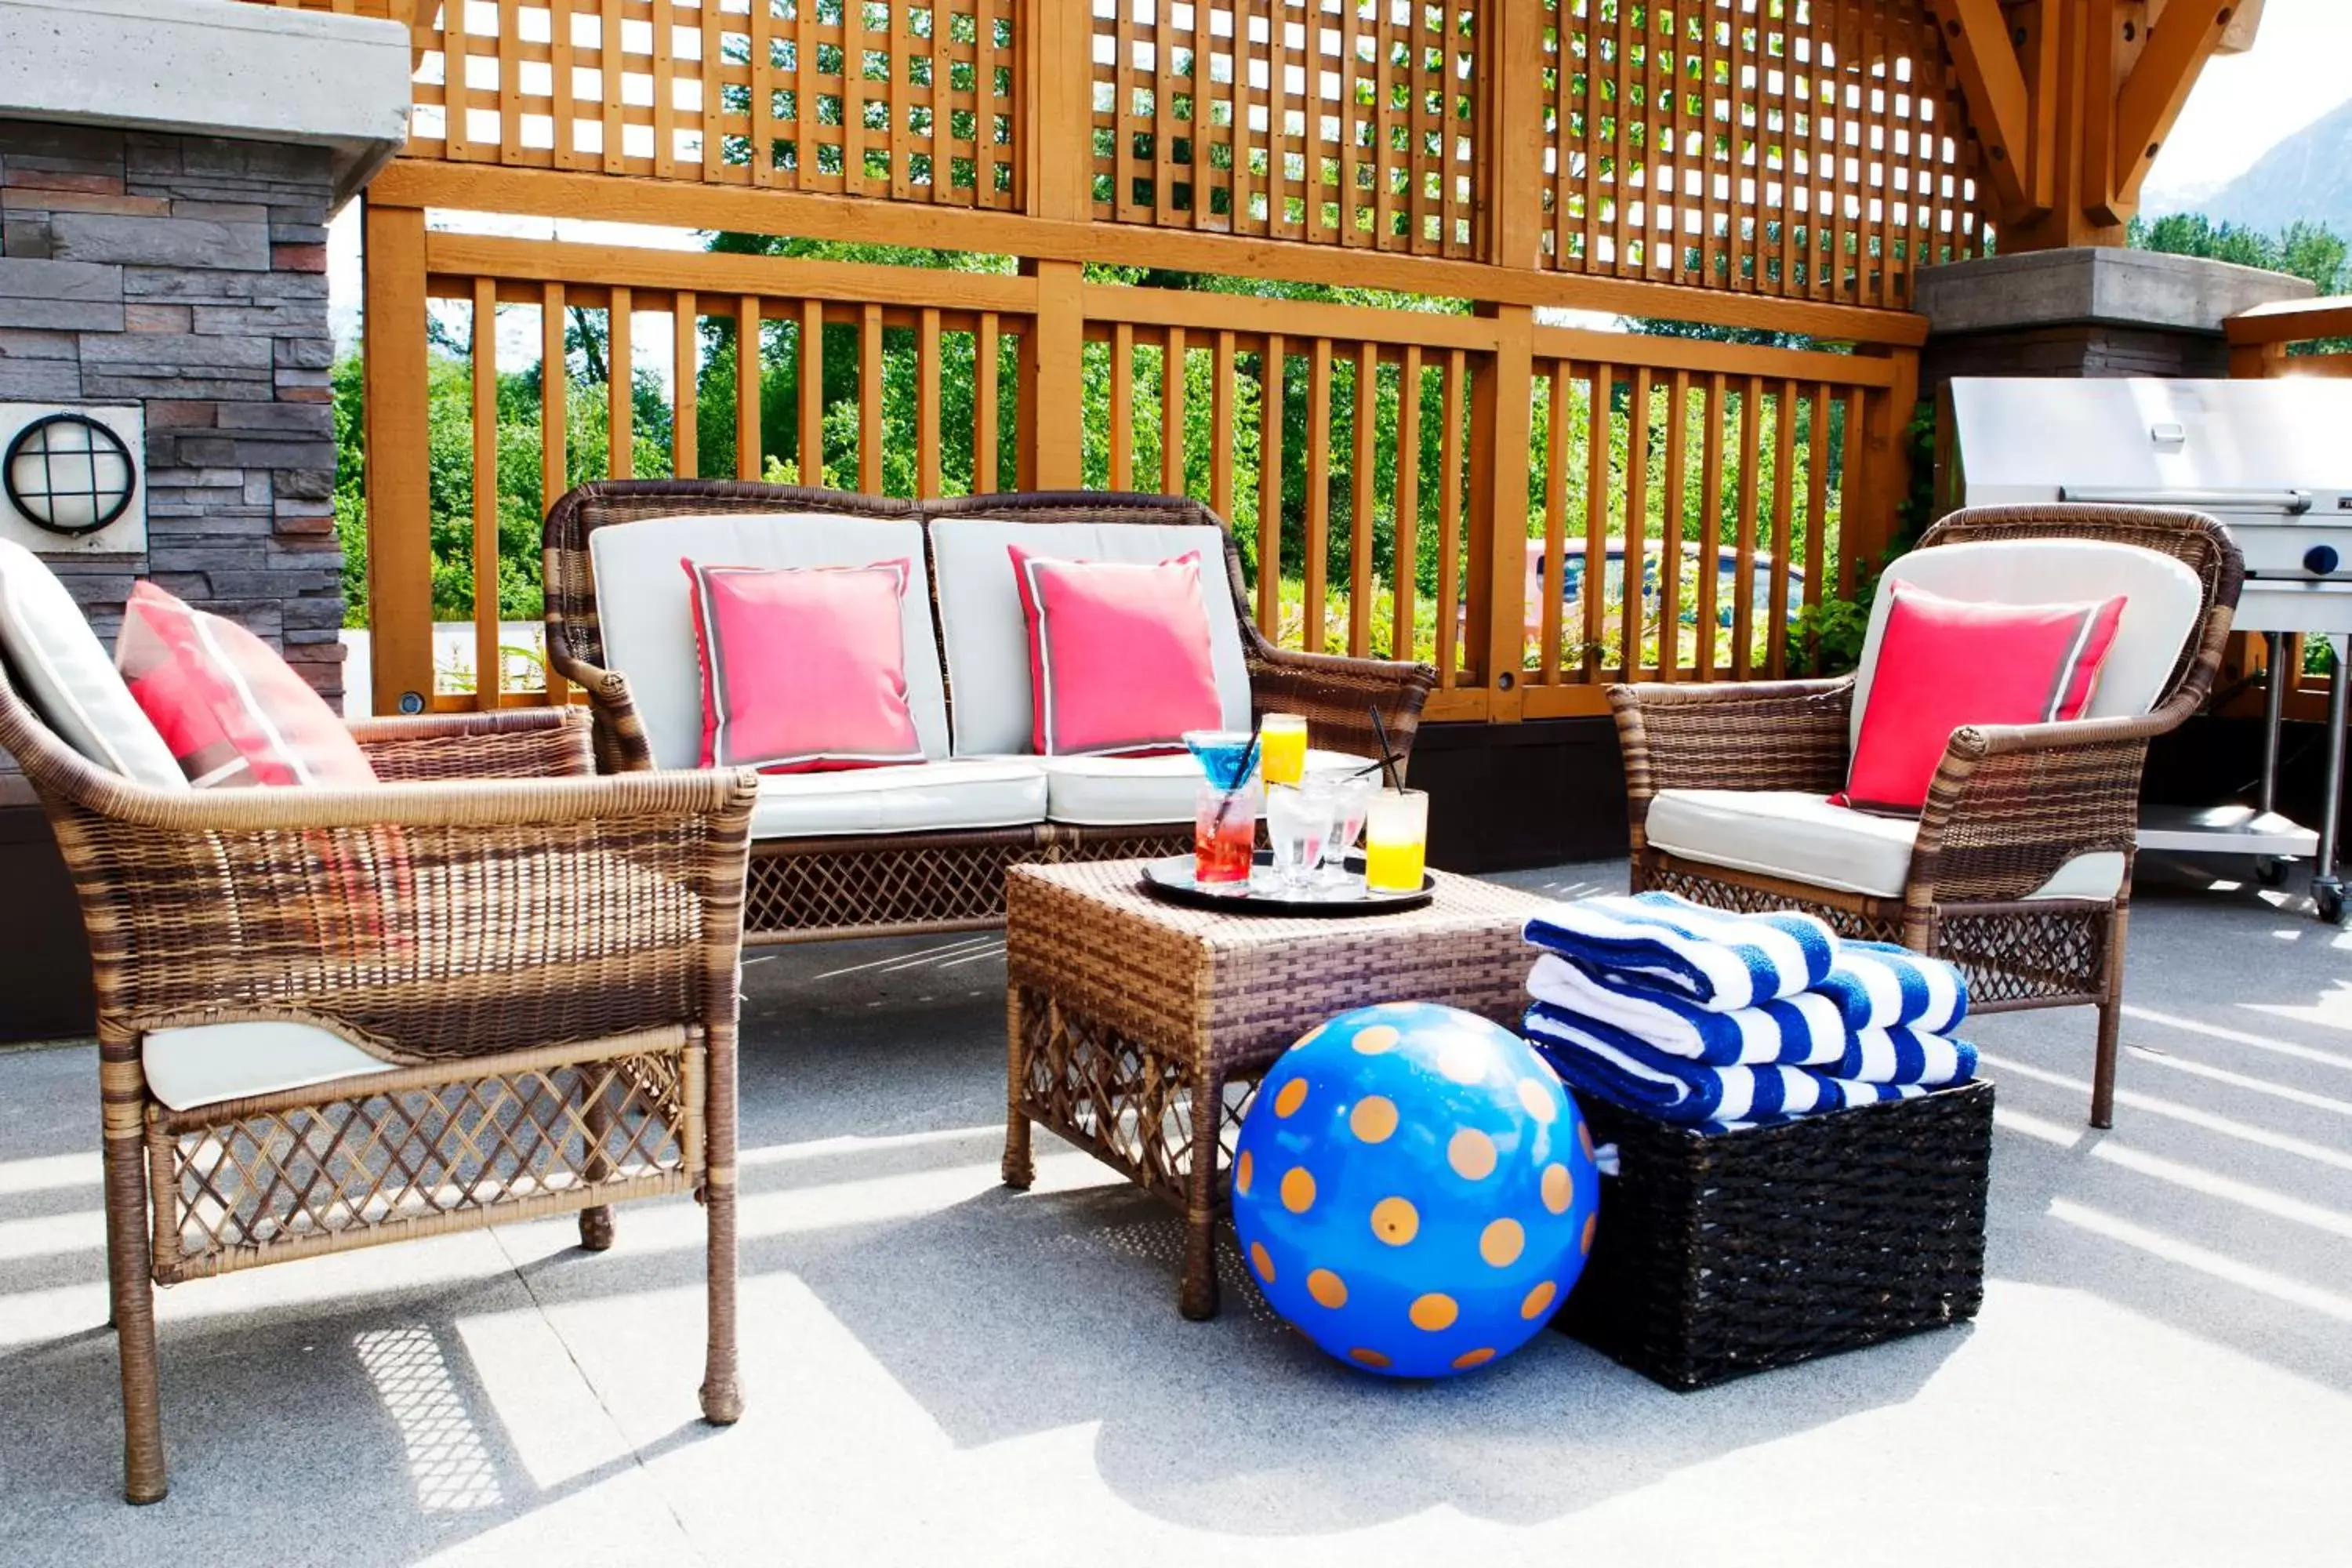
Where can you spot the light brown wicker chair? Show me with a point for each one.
(818, 888)
(544, 962)
(2009, 807)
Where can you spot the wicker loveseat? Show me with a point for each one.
(2020, 868)
(920, 848)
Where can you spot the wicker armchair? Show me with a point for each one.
(819, 889)
(2011, 806)
(541, 964)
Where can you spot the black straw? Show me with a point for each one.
(1249, 760)
(1388, 752)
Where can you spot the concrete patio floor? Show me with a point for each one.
(941, 1371)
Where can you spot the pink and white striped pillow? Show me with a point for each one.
(804, 668)
(231, 711)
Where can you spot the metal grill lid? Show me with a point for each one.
(2222, 446)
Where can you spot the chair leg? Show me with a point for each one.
(1197, 1299)
(131, 1288)
(2111, 1020)
(722, 1396)
(596, 1224)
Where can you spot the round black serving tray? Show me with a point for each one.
(1171, 879)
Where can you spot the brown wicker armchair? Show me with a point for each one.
(529, 972)
(2011, 808)
(820, 888)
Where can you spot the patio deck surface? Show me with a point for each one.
(941, 1371)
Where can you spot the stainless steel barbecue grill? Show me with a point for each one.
(2273, 460)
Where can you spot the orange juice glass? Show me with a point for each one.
(1396, 841)
(1282, 749)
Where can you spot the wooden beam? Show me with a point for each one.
(400, 531)
(2178, 46)
(1999, 109)
(2290, 321)
(544, 193)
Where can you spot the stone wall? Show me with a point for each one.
(188, 274)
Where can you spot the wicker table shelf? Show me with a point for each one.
(1137, 1030)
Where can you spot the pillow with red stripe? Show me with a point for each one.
(1944, 664)
(1118, 653)
(804, 668)
(231, 709)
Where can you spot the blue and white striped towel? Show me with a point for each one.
(1721, 962)
(1808, 1029)
(1881, 986)
(1595, 1058)
(1866, 1056)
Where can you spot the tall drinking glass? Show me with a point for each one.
(1396, 841)
(1298, 820)
(1282, 745)
(1224, 810)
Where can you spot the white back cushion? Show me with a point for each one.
(2161, 599)
(988, 640)
(69, 677)
(644, 605)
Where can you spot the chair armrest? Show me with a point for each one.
(511, 743)
(1743, 735)
(437, 921)
(620, 734)
(2011, 803)
(1337, 697)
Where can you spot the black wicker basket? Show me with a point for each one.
(1721, 1256)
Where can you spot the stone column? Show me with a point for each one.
(2086, 312)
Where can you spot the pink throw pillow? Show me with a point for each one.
(229, 708)
(804, 668)
(1945, 663)
(1118, 653)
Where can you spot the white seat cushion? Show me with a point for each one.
(931, 797)
(1124, 791)
(643, 606)
(207, 1063)
(68, 678)
(2161, 600)
(1802, 837)
(987, 637)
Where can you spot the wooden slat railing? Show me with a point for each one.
(1366, 455)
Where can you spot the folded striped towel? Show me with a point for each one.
(1808, 1029)
(1880, 987)
(1595, 1059)
(1899, 1055)
(1905, 1055)
(1721, 962)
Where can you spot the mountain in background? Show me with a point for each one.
(2307, 178)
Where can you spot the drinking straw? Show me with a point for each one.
(1240, 777)
(1388, 752)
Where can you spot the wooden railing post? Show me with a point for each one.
(400, 536)
(1052, 358)
(1500, 433)
(1886, 457)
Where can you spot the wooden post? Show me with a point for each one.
(1507, 185)
(1887, 456)
(400, 543)
(1500, 430)
(1057, 109)
(1053, 357)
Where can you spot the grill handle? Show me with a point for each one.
(2286, 503)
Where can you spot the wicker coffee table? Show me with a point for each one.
(1137, 1030)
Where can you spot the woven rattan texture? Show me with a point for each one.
(303, 1178)
(1234, 990)
(1722, 1256)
